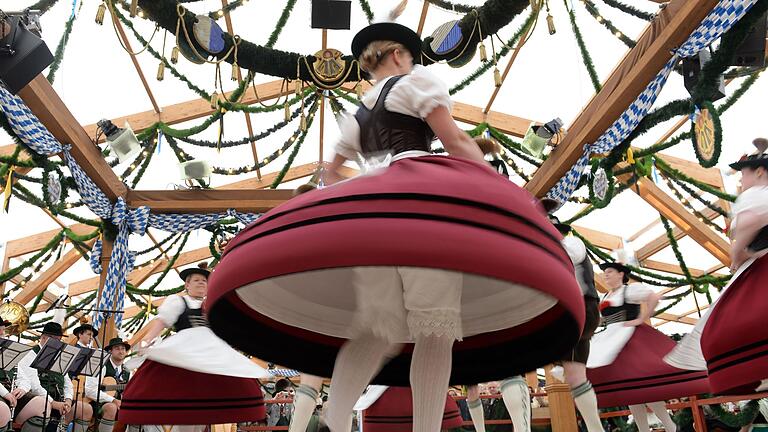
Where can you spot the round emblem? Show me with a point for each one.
(208, 34)
(706, 134)
(328, 65)
(446, 38)
(54, 188)
(600, 184)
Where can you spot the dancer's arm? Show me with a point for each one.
(651, 300)
(455, 140)
(749, 223)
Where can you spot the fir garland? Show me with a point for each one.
(43, 5)
(150, 152)
(631, 10)
(158, 245)
(745, 417)
(296, 147)
(592, 9)
(58, 55)
(585, 56)
(664, 167)
(226, 9)
(10, 274)
(745, 85)
(280, 23)
(678, 255)
(367, 10)
(712, 206)
(167, 268)
(451, 6)
(597, 202)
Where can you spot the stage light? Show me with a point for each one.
(23, 55)
(122, 141)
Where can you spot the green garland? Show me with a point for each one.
(585, 56)
(43, 5)
(745, 85)
(150, 152)
(58, 55)
(712, 206)
(592, 9)
(367, 10)
(226, 9)
(280, 23)
(10, 274)
(664, 167)
(597, 202)
(451, 6)
(718, 131)
(678, 255)
(296, 147)
(631, 10)
(165, 271)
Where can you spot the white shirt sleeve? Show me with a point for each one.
(3, 391)
(171, 309)
(575, 248)
(754, 199)
(92, 389)
(26, 376)
(418, 94)
(69, 390)
(349, 141)
(637, 293)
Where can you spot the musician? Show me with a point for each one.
(6, 380)
(32, 384)
(104, 405)
(85, 335)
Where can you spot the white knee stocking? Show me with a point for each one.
(517, 399)
(430, 372)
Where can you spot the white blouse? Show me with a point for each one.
(173, 307)
(754, 199)
(575, 248)
(416, 94)
(637, 294)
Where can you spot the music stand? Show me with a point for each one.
(11, 353)
(86, 363)
(55, 356)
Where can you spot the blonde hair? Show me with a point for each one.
(375, 52)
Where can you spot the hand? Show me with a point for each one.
(18, 393)
(66, 406)
(58, 406)
(633, 323)
(11, 399)
(738, 256)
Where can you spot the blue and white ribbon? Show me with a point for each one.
(719, 20)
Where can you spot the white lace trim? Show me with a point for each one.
(445, 322)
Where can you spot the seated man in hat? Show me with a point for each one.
(32, 383)
(104, 404)
(85, 335)
(7, 400)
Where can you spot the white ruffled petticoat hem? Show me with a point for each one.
(606, 345)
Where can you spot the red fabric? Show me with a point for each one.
(393, 412)
(640, 375)
(161, 394)
(735, 339)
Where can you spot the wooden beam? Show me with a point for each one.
(54, 114)
(669, 29)
(681, 217)
(422, 18)
(208, 201)
(674, 318)
(523, 39)
(36, 242)
(670, 268)
(600, 239)
(132, 311)
(710, 176)
(662, 241)
(35, 287)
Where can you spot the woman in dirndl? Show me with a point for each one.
(192, 377)
(626, 360)
(377, 278)
(730, 341)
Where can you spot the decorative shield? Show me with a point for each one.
(54, 188)
(706, 135)
(446, 38)
(600, 184)
(328, 66)
(208, 34)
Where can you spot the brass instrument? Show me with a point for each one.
(18, 316)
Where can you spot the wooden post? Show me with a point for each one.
(108, 326)
(699, 424)
(561, 408)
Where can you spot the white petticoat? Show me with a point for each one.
(371, 395)
(687, 354)
(198, 349)
(606, 345)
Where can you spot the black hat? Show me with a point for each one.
(117, 341)
(201, 269)
(4, 322)
(759, 159)
(387, 31)
(84, 327)
(53, 329)
(619, 267)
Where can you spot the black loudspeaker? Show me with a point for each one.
(751, 52)
(692, 69)
(23, 55)
(331, 14)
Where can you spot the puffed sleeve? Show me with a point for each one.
(171, 309)
(638, 293)
(575, 248)
(418, 93)
(349, 141)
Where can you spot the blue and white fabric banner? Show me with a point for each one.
(721, 19)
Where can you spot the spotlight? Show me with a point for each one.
(122, 142)
(195, 170)
(23, 54)
(537, 136)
